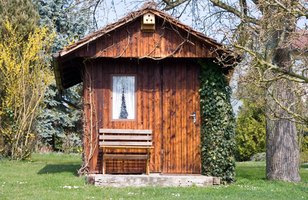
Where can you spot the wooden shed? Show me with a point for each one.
(141, 73)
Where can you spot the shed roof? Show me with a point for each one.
(131, 17)
(69, 61)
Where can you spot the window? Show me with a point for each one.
(123, 97)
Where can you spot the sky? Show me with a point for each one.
(117, 9)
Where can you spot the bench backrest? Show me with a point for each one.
(125, 137)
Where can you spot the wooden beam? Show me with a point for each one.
(126, 156)
(102, 143)
(125, 131)
(127, 147)
(125, 137)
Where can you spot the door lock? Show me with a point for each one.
(194, 116)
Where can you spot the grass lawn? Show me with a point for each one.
(53, 176)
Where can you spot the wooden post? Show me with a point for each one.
(104, 166)
(104, 162)
(147, 170)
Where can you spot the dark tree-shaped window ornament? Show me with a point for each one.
(123, 97)
(123, 113)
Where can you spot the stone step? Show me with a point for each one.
(152, 180)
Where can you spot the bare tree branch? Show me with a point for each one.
(234, 11)
(94, 12)
(243, 5)
(184, 9)
(300, 11)
(271, 66)
(172, 4)
(288, 109)
(255, 2)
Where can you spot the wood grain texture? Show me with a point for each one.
(166, 95)
(125, 137)
(129, 41)
(125, 131)
(126, 156)
(122, 143)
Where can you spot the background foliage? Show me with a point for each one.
(59, 125)
(218, 123)
(250, 131)
(25, 75)
(54, 122)
(251, 126)
(20, 13)
(304, 143)
(69, 19)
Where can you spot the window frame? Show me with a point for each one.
(135, 98)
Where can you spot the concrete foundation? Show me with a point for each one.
(152, 180)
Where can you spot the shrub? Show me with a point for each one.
(25, 75)
(71, 143)
(217, 124)
(304, 145)
(259, 157)
(250, 132)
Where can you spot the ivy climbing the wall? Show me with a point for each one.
(217, 125)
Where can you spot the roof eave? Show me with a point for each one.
(55, 63)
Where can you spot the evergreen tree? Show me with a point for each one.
(20, 13)
(59, 122)
(67, 18)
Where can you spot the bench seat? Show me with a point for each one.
(126, 139)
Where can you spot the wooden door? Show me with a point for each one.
(166, 96)
(181, 132)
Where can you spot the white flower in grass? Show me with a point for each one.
(70, 187)
(21, 182)
(176, 194)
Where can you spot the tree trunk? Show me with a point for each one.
(282, 153)
(282, 149)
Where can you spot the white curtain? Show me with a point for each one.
(123, 85)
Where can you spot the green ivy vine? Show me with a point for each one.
(217, 125)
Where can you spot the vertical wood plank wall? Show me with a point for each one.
(166, 95)
(129, 41)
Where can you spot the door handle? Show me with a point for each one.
(194, 116)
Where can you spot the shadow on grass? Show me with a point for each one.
(304, 166)
(251, 173)
(59, 168)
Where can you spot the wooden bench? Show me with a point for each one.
(124, 139)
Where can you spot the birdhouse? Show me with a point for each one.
(148, 22)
